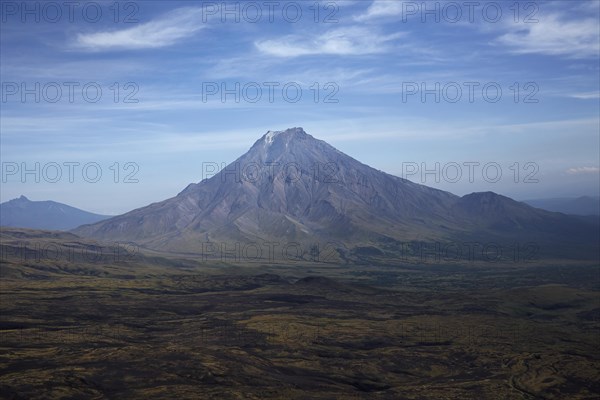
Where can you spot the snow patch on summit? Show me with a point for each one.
(270, 136)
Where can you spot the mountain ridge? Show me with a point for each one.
(582, 205)
(47, 214)
(290, 186)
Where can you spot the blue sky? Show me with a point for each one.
(367, 72)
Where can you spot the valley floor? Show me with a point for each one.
(341, 333)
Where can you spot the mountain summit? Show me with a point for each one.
(292, 188)
(24, 213)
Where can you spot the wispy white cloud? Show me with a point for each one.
(171, 28)
(341, 41)
(583, 170)
(381, 9)
(555, 35)
(586, 95)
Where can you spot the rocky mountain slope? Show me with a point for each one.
(292, 188)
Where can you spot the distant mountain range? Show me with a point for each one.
(24, 213)
(585, 205)
(292, 188)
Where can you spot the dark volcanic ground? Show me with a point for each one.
(423, 333)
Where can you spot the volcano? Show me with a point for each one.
(292, 188)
